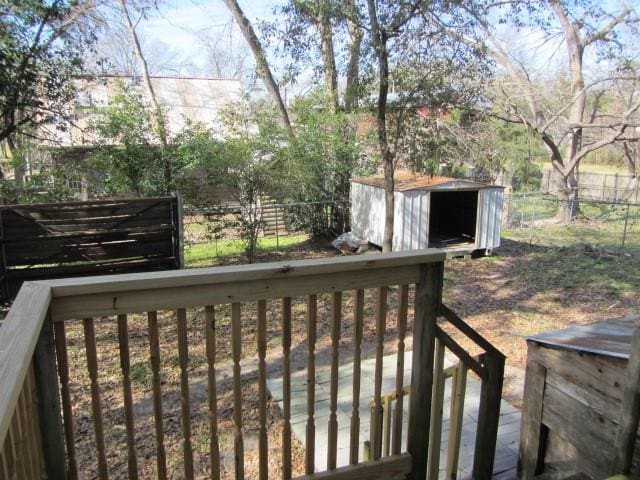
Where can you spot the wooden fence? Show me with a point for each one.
(87, 238)
(34, 335)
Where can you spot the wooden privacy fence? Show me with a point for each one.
(87, 238)
(35, 338)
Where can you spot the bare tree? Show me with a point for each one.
(159, 116)
(262, 66)
(560, 118)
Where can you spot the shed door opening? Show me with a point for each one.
(452, 218)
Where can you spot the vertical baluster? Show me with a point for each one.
(67, 411)
(312, 320)
(437, 400)
(357, 351)
(403, 302)
(92, 366)
(286, 388)
(123, 343)
(154, 353)
(458, 388)
(214, 446)
(335, 359)
(376, 421)
(183, 358)
(4, 471)
(263, 445)
(236, 351)
(387, 425)
(14, 457)
(23, 459)
(33, 423)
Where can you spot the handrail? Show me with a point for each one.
(18, 337)
(140, 292)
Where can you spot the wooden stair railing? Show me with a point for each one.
(49, 317)
(490, 372)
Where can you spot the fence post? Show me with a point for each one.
(624, 232)
(277, 230)
(488, 417)
(428, 298)
(48, 400)
(178, 231)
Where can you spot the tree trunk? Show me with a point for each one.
(262, 67)
(380, 45)
(18, 166)
(159, 117)
(575, 50)
(328, 56)
(353, 65)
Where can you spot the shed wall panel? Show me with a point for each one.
(367, 212)
(489, 218)
(410, 228)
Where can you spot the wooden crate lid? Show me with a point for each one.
(610, 338)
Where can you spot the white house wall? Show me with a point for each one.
(489, 218)
(367, 212)
(411, 225)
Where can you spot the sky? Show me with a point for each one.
(182, 23)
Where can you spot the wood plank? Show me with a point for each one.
(34, 424)
(437, 403)
(46, 377)
(488, 416)
(428, 298)
(312, 320)
(263, 441)
(376, 412)
(456, 418)
(336, 321)
(236, 353)
(67, 410)
(629, 410)
(125, 367)
(183, 359)
(592, 435)
(286, 388)
(530, 456)
(154, 353)
(18, 338)
(96, 408)
(235, 291)
(395, 466)
(403, 303)
(242, 273)
(358, 319)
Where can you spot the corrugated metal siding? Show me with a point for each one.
(367, 212)
(489, 217)
(410, 228)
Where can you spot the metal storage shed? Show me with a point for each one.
(430, 211)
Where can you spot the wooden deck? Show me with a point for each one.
(508, 430)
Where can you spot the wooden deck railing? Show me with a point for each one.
(37, 411)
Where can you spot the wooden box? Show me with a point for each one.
(572, 396)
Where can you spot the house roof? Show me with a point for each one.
(405, 180)
(183, 99)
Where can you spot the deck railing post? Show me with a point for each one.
(48, 400)
(428, 299)
(488, 417)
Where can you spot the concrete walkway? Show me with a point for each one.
(508, 430)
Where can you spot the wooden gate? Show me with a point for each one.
(87, 238)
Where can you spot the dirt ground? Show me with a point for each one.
(505, 297)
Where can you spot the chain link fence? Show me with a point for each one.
(601, 227)
(281, 224)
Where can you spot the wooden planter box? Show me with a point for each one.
(573, 392)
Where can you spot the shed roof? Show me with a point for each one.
(611, 338)
(406, 180)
